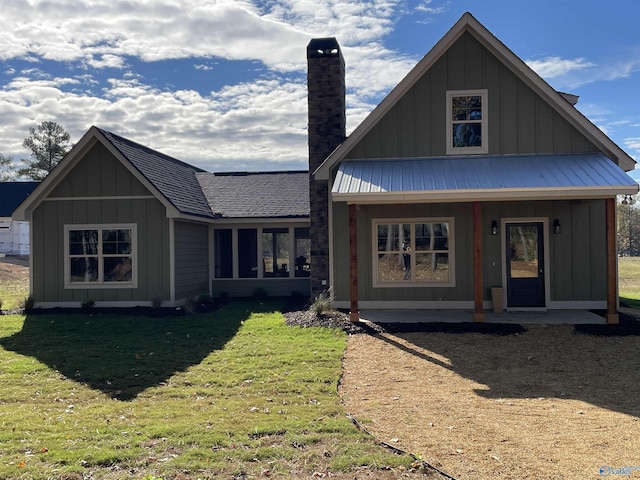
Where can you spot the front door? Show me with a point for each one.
(525, 264)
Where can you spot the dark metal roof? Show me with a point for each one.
(12, 194)
(487, 177)
(174, 179)
(257, 194)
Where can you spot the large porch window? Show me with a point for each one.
(413, 253)
(268, 252)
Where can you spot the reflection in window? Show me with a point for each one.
(275, 252)
(223, 253)
(303, 252)
(247, 253)
(100, 255)
(523, 241)
(270, 252)
(467, 122)
(413, 253)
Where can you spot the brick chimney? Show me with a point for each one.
(327, 129)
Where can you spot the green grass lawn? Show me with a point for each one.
(233, 393)
(13, 294)
(629, 281)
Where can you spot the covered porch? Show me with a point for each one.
(480, 182)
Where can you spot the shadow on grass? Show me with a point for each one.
(597, 364)
(122, 355)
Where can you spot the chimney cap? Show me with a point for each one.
(323, 47)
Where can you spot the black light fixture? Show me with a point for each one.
(628, 200)
(494, 227)
(556, 226)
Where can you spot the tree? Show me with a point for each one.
(6, 168)
(49, 143)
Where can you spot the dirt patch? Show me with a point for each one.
(14, 269)
(532, 402)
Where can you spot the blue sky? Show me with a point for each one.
(221, 84)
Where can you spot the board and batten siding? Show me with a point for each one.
(460, 212)
(191, 259)
(577, 255)
(520, 122)
(98, 174)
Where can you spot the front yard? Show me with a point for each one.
(231, 394)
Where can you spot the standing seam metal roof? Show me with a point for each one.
(487, 173)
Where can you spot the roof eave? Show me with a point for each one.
(487, 195)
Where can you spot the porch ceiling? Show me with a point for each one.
(488, 178)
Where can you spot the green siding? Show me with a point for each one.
(99, 174)
(520, 121)
(49, 220)
(577, 256)
(191, 259)
(461, 212)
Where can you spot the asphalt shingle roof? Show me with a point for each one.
(194, 191)
(12, 194)
(176, 180)
(257, 194)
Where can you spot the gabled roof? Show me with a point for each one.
(185, 190)
(174, 179)
(499, 177)
(12, 194)
(467, 23)
(257, 194)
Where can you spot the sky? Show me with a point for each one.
(221, 84)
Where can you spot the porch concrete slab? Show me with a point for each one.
(553, 317)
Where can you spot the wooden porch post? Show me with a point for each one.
(612, 274)
(354, 314)
(478, 310)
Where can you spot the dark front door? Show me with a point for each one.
(525, 264)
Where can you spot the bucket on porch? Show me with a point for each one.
(497, 297)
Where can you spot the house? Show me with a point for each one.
(14, 235)
(122, 225)
(473, 173)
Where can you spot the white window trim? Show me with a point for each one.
(484, 148)
(411, 284)
(100, 284)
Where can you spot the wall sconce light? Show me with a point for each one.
(556, 226)
(494, 227)
(628, 200)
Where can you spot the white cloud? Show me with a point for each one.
(259, 125)
(553, 67)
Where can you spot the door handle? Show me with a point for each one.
(540, 271)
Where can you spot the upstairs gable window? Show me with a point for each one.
(467, 122)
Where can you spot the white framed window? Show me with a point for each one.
(467, 113)
(413, 252)
(100, 256)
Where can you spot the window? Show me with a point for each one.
(467, 122)
(223, 254)
(267, 252)
(275, 252)
(303, 252)
(247, 252)
(100, 256)
(413, 253)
